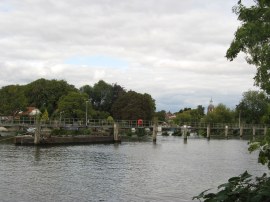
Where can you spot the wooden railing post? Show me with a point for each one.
(37, 132)
(155, 130)
(208, 131)
(241, 130)
(116, 132)
(254, 130)
(226, 131)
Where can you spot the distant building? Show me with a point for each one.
(210, 107)
(170, 116)
(30, 111)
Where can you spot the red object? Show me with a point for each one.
(140, 122)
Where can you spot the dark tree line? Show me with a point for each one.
(57, 96)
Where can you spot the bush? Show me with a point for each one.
(141, 132)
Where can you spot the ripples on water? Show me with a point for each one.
(131, 171)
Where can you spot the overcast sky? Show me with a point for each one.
(173, 50)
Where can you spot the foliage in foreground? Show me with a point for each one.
(242, 188)
(252, 38)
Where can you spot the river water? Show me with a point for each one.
(131, 171)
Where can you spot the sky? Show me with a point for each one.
(173, 50)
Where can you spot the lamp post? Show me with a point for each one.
(86, 118)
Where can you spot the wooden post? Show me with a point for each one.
(184, 132)
(254, 131)
(208, 131)
(155, 130)
(37, 133)
(241, 131)
(226, 131)
(116, 132)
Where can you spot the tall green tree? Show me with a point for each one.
(87, 89)
(253, 107)
(74, 105)
(132, 106)
(44, 94)
(12, 99)
(253, 38)
(102, 96)
(118, 91)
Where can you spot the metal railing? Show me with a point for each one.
(66, 122)
(71, 122)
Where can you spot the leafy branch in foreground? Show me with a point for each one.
(264, 150)
(242, 188)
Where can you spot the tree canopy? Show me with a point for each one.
(132, 106)
(44, 94)
(12, 99)
(189, 115)
(253, 39)
(53, 97)
(103, 95)
(253, 107)
(221, 114)
(74, 105)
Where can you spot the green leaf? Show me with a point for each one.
(253, 146)
(245, 175)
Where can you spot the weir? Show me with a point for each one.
(118, 125)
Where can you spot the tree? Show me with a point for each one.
(12, 99)
(184, 116)
(74, 105)
(87, 89)
(190, 115)
(185, 109)
(118, 91)
(221, 114)
(200, 110)
(44, 94)
(133, 106)
(161, 115)
(252, 38)
(253, 107)
(102, 96)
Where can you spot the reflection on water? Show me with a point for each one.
(170, 170)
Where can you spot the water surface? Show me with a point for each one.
(132, 171)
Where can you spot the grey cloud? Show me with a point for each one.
(175, 49)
